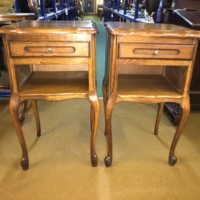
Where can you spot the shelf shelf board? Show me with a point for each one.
(154, 86)
(56, 83)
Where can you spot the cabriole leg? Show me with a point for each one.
(158, 117)
(37, 119)
(105, 98)
(108, 131)
(14, 108)
(185, 113)
(94, 119)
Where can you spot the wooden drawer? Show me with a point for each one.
(46, 49)
(166, 51)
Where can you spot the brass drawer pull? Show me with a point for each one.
(49, 50)
(157, 52)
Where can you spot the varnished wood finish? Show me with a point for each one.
(51, 60)
(169, 48)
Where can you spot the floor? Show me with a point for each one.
(60, 166)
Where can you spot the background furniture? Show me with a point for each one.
(53, 61)
(119, 10)
(6, 18)
(186, 13)
(15, 17)
(151, 64)
(48, 9)
(133, 10)
(100, 11)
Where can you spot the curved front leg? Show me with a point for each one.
(94, 119)
(37, 119)
(108, 130)
(159, 112)
(105, 98)
(14, 108)
(185, 113)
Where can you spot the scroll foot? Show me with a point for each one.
(25, 163)
(94, 160)
(172, 160)
(108, 161)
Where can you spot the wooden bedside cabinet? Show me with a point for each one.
(51, 60)
(151, 64)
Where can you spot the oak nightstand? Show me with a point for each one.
(54, 61)
(150, 64)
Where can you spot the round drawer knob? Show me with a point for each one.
(49, 50)
(157, 52)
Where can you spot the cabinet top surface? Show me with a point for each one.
(142, 29)
(45, 27)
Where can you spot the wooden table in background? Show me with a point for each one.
(16, 17)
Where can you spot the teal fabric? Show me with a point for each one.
(100, 56)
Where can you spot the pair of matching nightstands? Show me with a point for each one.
(55, 60)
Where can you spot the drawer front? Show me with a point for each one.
(48, 49)
(155, 51)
